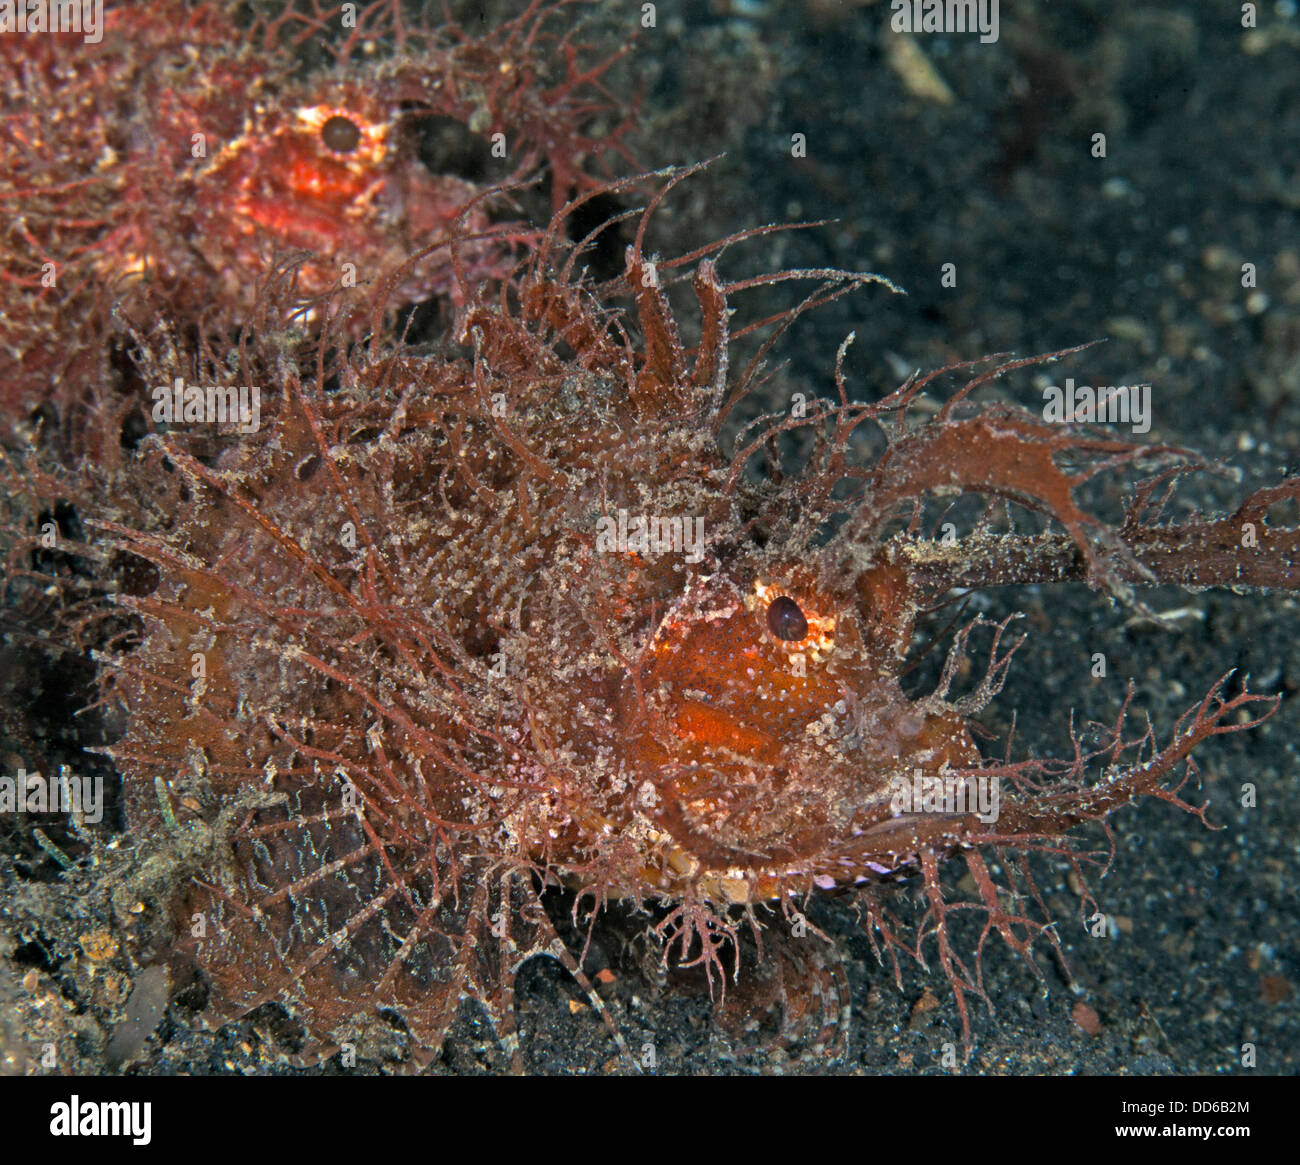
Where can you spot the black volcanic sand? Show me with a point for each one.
(1052, 247)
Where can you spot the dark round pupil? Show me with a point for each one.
(785, 620)
(340, 134)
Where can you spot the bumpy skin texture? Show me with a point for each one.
(391, 667)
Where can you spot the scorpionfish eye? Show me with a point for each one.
(785, 620)
(340, 134)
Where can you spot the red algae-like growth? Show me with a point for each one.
(460, 626)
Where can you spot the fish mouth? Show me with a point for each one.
(875, 843)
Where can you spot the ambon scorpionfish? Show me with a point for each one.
(167, 172)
